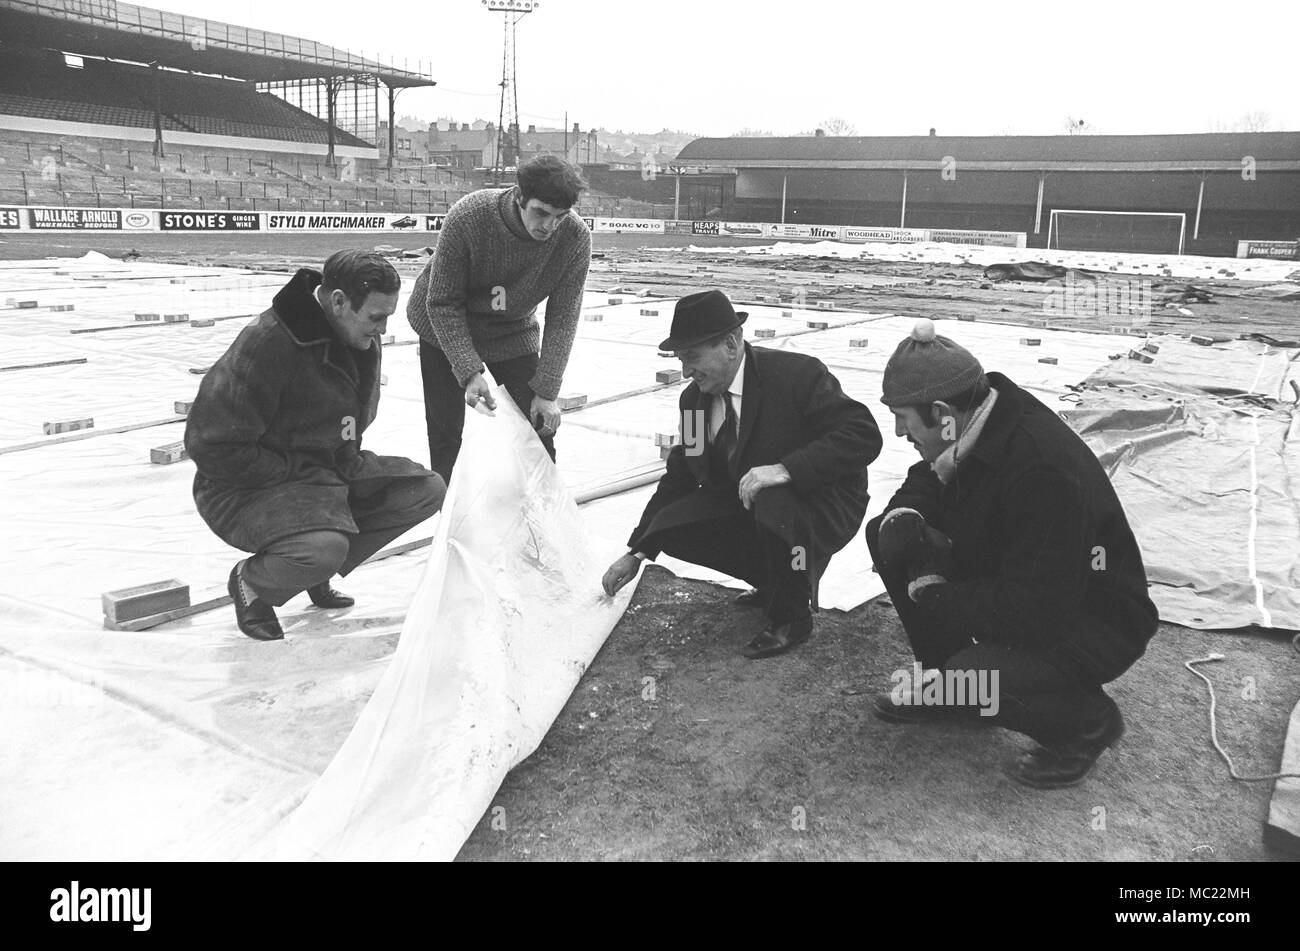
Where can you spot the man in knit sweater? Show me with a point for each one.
(501, 253)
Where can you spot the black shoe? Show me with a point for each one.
(256, 618)
(887, 706)
(1068, 763)
(323, 596)
(752, 598)
(778, 638)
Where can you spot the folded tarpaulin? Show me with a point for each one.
(1203, 447)
(506, 618)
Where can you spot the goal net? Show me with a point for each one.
(1142, 232)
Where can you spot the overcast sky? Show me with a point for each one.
(712, 67)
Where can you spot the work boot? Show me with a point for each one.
(255, 617)
(1067, 763)
(323, 596)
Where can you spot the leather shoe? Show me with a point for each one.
(749, 599)
(323, 596)
(1068, 763)
(256, 618)
(887, 707)
(778, 638)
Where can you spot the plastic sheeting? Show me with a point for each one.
(1203, 447)
(504, 623)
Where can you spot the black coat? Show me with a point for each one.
(275, 431)
(1039, 539)
(794, 413)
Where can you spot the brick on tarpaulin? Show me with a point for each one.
(204, 322)
(176, 318)
(168, 454)
(818, 325)
(858, 342)
(666, 439)
(27, 304)
(646, 312)
(1151, 347)
(144, 317)
(593, 317)
(825, 305)
(572, 400)
(667, 376)
(68, 426)
(787, 313)
(177, 280)
(1140, 356)
(1201, 341)
(183, 407)
(1030, 342)
(764, 333)
(616, 300)
(1051, 360)
(130, 604)
(63, 308)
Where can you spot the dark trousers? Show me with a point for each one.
(737, 545)
(1047, 691)
(444, 402)
(385, 508)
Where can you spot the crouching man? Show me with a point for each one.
(1010, 562)
(275, 433)
(769, 479)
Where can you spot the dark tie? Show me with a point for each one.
(723, 449)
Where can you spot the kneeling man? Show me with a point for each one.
(1010, 562)
(275, 434)
(769, 479)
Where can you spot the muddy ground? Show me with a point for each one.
(674, 746)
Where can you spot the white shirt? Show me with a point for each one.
(737, 391)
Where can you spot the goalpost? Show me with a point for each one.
(1143, 232)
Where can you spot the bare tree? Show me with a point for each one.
(1075, 126)
(748, 133)
(838, 126)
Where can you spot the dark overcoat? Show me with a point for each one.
(1039, 540)
(793, 413)
(275, 431)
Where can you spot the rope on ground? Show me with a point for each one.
(1214, 730)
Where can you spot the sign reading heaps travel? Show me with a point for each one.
(77, 219)
(9, 218)
(209, 221)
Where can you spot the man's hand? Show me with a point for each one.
(759, 478)
(478, 389)
(545, 416)
(620, 573)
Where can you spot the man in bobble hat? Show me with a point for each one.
(769, 479)
(1010, 562)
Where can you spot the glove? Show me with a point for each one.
(929, 561)
(900, 531)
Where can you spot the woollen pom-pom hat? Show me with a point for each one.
(926, 367)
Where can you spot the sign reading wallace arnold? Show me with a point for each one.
(76, 219)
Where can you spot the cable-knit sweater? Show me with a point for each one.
(477, 299)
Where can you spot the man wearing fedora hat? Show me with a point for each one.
(1010, 561)
(769, 479)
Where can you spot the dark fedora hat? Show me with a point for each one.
(701, 317)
